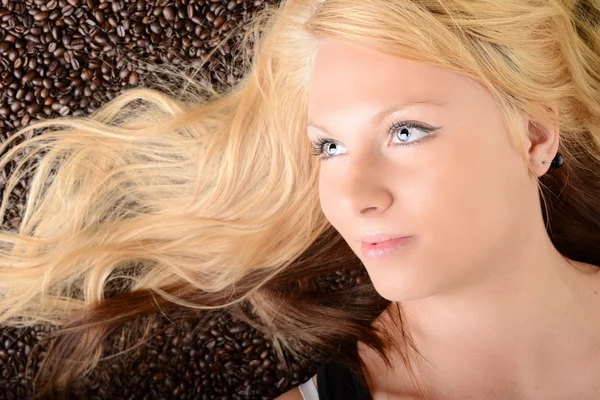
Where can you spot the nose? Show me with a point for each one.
(363, 188)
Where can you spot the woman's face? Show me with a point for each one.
(460, 192)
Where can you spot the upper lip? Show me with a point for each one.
(380, 237)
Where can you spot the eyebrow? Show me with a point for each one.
(377, 118)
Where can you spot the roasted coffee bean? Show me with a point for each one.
(133, 78)
(169, 13)
(48, 84)
(74, 63)
(232, 5)
(4, 47)
(100, 16)
(12, 54)
(40, 15)
(55, 15)
(28, 76)
(87, 74)
(219, 21)
(78, 44)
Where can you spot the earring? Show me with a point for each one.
(557, 162)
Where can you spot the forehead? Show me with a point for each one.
(346, 77)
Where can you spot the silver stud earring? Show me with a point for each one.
(557, 162)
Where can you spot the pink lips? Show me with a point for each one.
(383, 248)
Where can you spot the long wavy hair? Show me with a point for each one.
(203, 203)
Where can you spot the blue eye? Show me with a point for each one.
(401, 130)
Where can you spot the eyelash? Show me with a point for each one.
(319, 144)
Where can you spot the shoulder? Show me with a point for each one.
(294, 394)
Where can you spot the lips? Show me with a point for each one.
(381, 237)
(383, 248)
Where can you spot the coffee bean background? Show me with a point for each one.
(66, 58)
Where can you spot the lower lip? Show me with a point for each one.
(383, 249)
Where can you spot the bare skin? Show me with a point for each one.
(497, 311)
(560, 363)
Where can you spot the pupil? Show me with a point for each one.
(404, 131)
(331, 147)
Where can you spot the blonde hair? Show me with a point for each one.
(194, 200)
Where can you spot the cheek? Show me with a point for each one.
(325, 199)
(332, 204)
(461, 208)
(328, 201)
(436, 208)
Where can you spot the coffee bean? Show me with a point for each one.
(100, 16)
(4, 47)
(33, 108)
(67, 10)
(28, 76)
(12, 54)
(78, 44)
(169, 13)
(95, 85)
(53, 65)
(219, 21)
(133, 78)
(24, 121)
(30, 96)
(59, 52)
(232, 5)
(40, 15)
(55, 15)
(138, 29)
(74, 63)
(86, 74)
(67, 57)
(156, 28)
(35, 30)
(282, 383)
(123, 74)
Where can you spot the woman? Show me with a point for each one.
(481, 244)
(495, 309)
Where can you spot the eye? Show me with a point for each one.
(329, 146)
(406, 132)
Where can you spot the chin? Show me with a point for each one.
(400, 297)
(400, 288)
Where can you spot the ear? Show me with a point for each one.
(543, 143)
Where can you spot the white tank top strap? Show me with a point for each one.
(308, 390)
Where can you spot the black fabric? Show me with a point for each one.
(337, 382)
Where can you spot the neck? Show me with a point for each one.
(532, 312)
